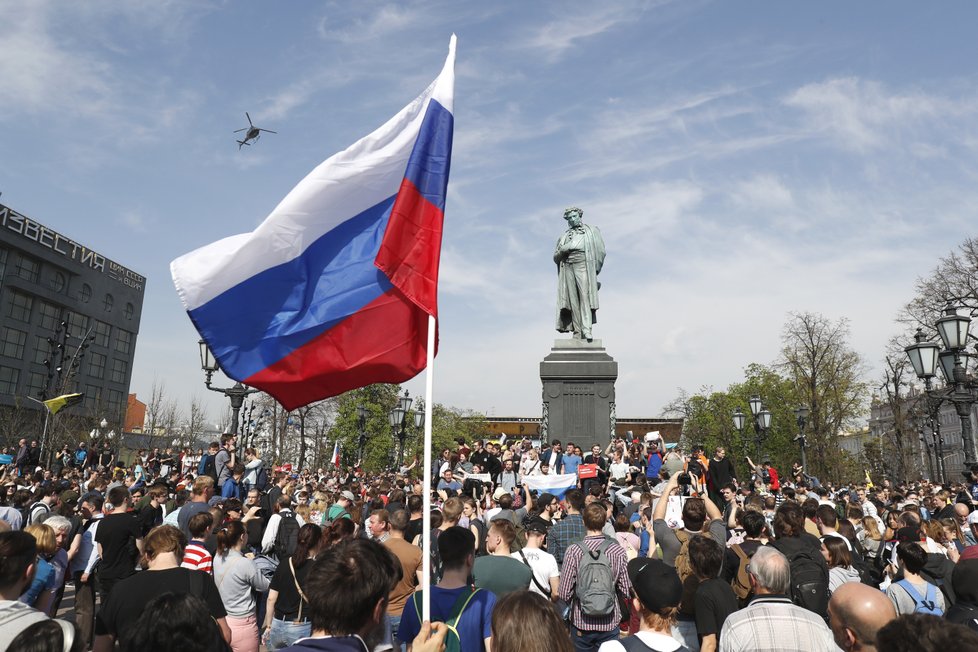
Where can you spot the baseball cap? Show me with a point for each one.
(656, 584)
(537, 524)
(348, 495)
(973, 518)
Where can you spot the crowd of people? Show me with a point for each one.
(647, 548)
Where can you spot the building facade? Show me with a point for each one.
(942, 438)
(69, 317)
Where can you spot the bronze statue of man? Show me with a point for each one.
(579, 256)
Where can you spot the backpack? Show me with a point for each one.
(287, 537)
(261, 478)
(595, 586)
(635, 644)
(868, 574)
(922, 605)
(207, 466)
(683, 566)
(741, 581)
(809, 583)
(453, 641)
(36, 515)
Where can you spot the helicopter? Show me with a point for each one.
(253, 132)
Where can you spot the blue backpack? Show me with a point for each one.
(922, 605)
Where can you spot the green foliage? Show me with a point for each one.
(381, 448)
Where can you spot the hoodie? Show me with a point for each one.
(839, 575)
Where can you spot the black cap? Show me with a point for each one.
(537, 524)
(656, 584)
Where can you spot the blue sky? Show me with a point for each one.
(743, 160)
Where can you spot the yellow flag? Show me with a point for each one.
(65, 400)
(869, 480)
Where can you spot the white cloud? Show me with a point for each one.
(763, 191)
(863, 114)
(389, 19)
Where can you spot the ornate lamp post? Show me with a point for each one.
(236, 393)
(960, 391)
(362, 424)
(801, 418)
(398, 420)
(762, 422)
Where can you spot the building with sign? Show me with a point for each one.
(69, 317)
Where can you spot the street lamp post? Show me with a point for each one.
(362, 424)
(762, 422)
(398, 421)
(926, 356)
(236, 393)
(801, 418)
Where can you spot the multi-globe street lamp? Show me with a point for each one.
(762, 421)
(960, 388)
(398, 420)
(236, 393)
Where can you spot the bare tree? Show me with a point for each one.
(828, 375)
(193, 425)
(955, 278)
(899, 443)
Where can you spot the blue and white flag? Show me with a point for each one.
(557, 485)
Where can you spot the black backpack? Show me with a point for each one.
(261, 478)
(287, 537)
(809, 583)
(208, 466)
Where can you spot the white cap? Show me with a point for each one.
(652, 436)
(973, 518)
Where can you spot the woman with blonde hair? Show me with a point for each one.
(40, 594)
(237, 579)
(872, 537)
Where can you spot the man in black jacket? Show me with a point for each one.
(721, 473)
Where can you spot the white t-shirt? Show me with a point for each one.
(654, 640)
(619, 470)
(543, 565)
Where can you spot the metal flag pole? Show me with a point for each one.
(426, 518)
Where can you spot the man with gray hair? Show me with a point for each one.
(771, 622)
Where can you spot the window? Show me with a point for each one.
(102, 331)
(9, 378)
(85, 293)
(50, 315)
(115, 402)
(119, 368)
(93, 396)
(20, 307)
(3, 263)
(36, 384)
(96, 365)
(42, 350)
(28, 269)
(77, 325)
(130, 310)
(109, 301)
(58, 282)
(12, 345)
(123, 343)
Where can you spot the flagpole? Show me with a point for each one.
(426, 519)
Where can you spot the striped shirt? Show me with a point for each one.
(771, 623)
(196, 557)
(568, 581)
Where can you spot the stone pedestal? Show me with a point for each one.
(578, 393)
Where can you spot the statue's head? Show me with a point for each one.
(573, 215)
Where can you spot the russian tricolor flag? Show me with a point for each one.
(333, 290)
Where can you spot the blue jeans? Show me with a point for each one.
(395, 625)
(684, 631)
(286, 633)
(591, 641)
